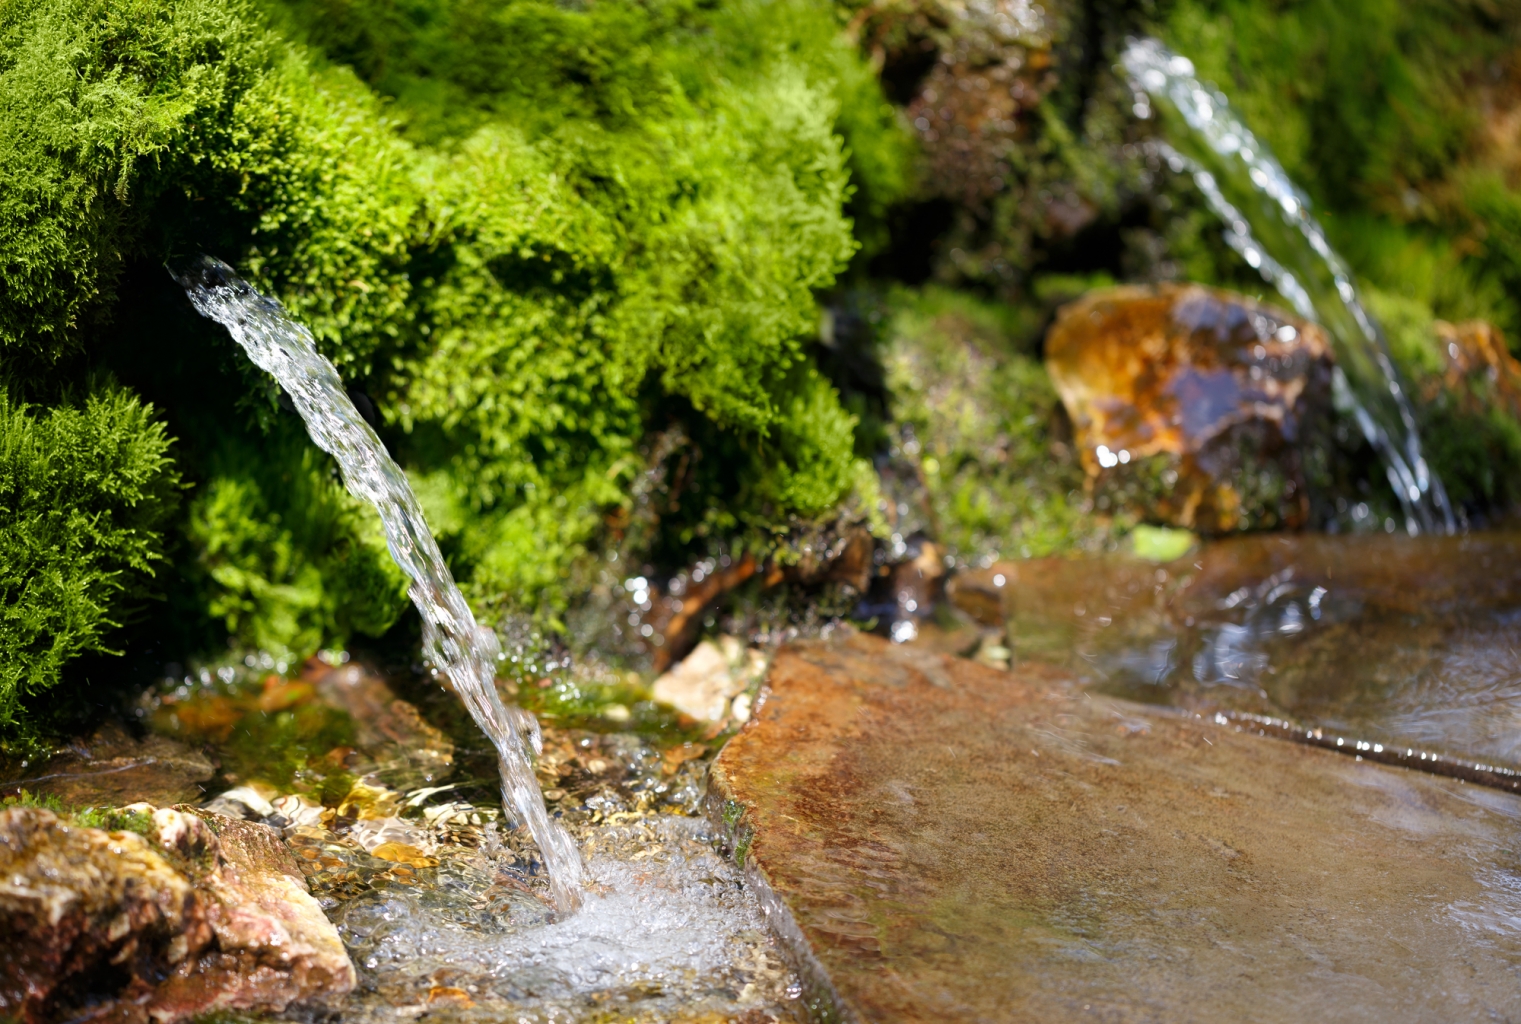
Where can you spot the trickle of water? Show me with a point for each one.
(453, 642)
(1269, 223)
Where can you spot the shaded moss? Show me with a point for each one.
(1387, 113)
(1468, 421)
(987, 429)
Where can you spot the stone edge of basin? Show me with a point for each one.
(820, 999)
(822, 1002)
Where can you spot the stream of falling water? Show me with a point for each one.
(453, 642)
(1269, 223)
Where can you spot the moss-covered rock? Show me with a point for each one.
(528, 235)
(86, 488)
(978, 418)
(1467, 391)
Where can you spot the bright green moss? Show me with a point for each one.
(85, 488)
(532, 234)
(286, 559)
(630, 209)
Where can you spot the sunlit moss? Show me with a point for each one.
(530, 235)
(85, 489)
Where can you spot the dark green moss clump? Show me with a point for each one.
(86, 487)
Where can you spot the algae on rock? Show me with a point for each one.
(979, 416)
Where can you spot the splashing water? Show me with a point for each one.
(1268, 222)
(453, 643)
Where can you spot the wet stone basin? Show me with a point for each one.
(1398, 640)
(947, 841)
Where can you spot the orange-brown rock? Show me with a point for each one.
(1476, 355)
(941, 841)
(1193, 405)
(205, 913)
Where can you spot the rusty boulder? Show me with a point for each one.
(1193, 406)
(196, 913)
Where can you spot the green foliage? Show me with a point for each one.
(814, 461)
(26, 798)
(109, 819)
(288, 559)
(629, 211)
(993, 442)
(1377, 108)
(140, 129)
(533, 234)
(114, 819)
(1470, 431)
(85, 489)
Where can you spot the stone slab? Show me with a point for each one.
(946, 841)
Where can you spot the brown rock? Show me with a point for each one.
(942, 841)
(985, 69)
(1192, 405)
(210, 914)
(389, 729)
(839, 552)
(1476, 354)
(111, 768)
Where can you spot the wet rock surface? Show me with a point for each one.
(446, 910)
(1195, 406)
(395, 824)
(1391, 639)
(112, 767)
(201, 913)
(950, 841)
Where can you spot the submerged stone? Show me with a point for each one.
(199, 914)
(1193, 405)
(405, 747)
(944, 841)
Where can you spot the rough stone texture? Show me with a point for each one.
(210, 914)
(946, 841)
(1193, 403)
(708, 679)
(112, 768)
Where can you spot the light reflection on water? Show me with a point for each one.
(1412, 641)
